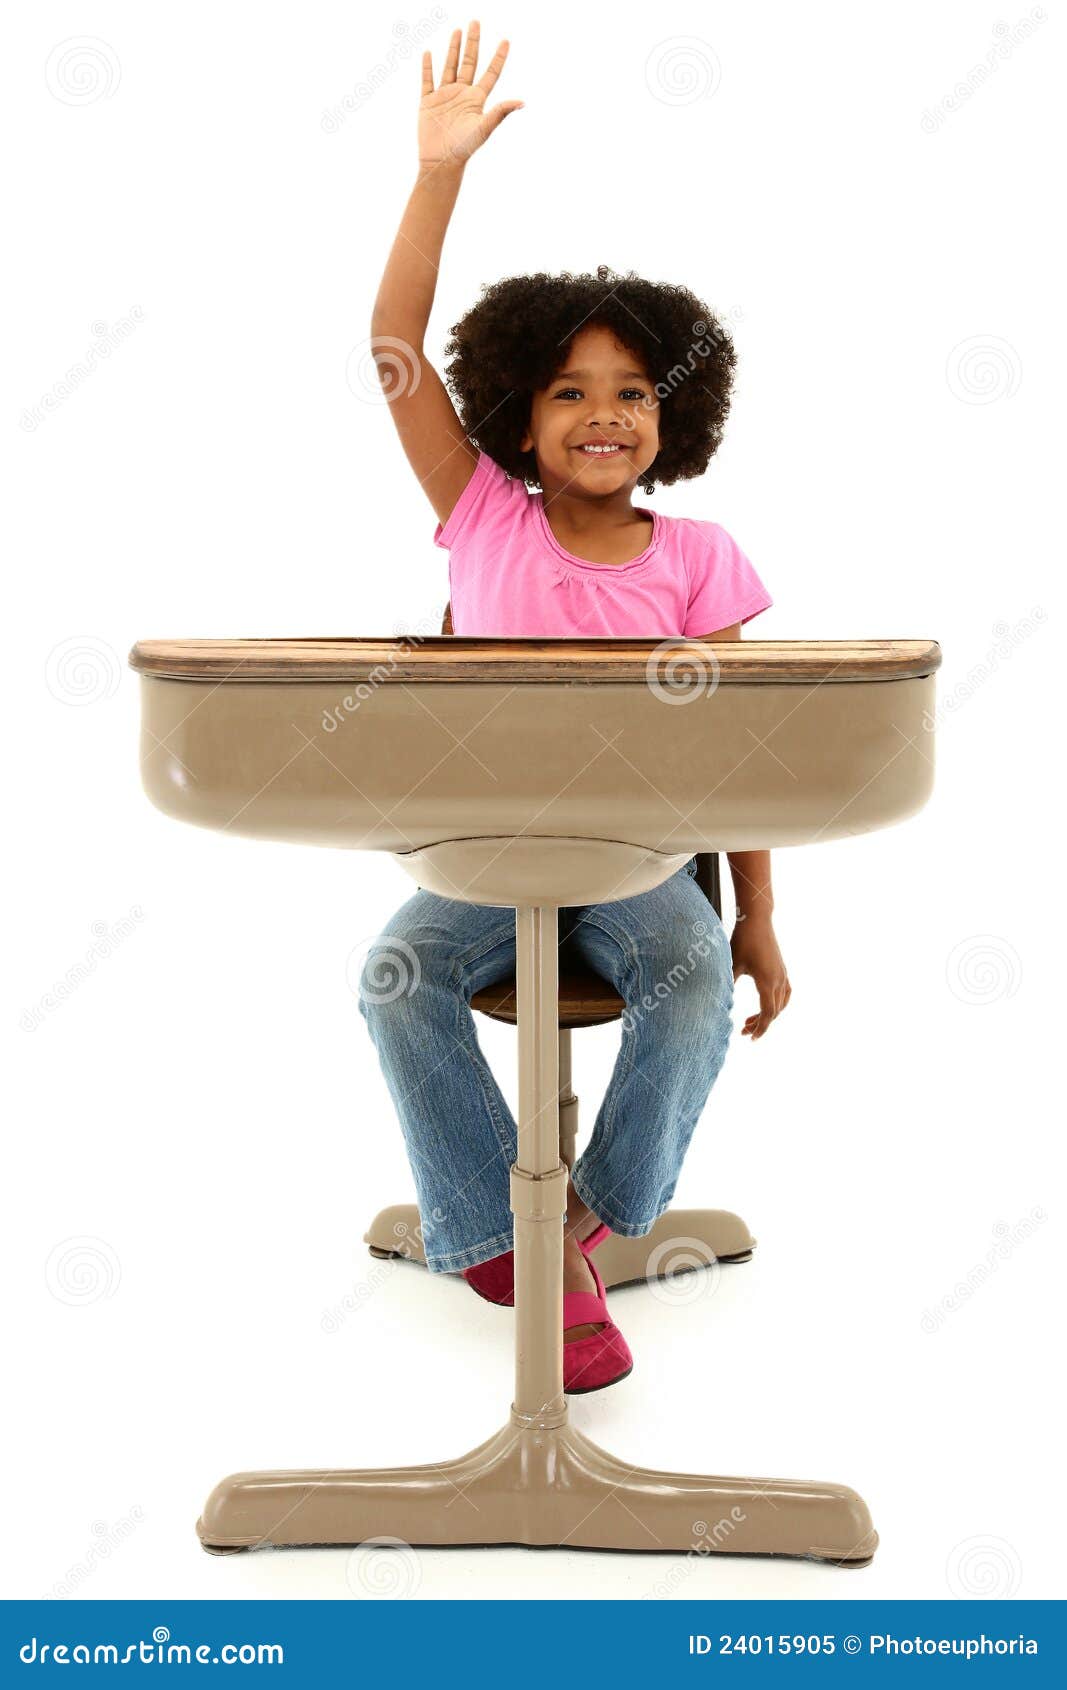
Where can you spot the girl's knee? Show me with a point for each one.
(395, 972)
(697, 977)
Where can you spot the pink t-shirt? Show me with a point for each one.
(509, 575)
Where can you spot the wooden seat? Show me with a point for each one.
(585, 998)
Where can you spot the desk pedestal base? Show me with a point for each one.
(538, 1481)
(540, 1486)
(681, 1241)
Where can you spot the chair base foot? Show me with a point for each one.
(681, 1240)
(540, 1488)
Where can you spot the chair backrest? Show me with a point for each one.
(707, 875)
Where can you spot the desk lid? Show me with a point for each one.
(451, 657)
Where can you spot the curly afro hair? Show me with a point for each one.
(518, 335)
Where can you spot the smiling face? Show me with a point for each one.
(595, 428)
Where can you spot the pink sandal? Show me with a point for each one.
(603, 1358)
(495, 1279)
(591, 1363)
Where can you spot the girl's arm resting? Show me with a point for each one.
(751, 875)
(430, 431)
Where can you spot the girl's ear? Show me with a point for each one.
(526, 443)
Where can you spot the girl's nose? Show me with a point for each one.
(607, 416)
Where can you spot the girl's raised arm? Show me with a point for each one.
(452, 125)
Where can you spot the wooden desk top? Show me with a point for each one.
(451, 657)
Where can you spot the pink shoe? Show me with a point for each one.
(603, 1358)
(495, 1279)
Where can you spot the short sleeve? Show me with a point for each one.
(724, 587)
(487, 485)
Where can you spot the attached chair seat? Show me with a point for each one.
(585, 1000)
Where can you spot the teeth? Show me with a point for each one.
(600, 450)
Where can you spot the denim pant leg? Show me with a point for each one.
(667, 954)
(415, 992)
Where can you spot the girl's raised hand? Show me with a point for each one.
(452, 121)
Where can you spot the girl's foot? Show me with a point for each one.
(495, 1279)
(595, 1354)
(576, 1277)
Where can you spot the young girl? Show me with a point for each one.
(584, 387)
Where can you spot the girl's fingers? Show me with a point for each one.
(470, 57)
(499, 113)
(452, 57)
(487, 81)
(427, 74)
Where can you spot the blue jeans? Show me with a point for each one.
(667, 955)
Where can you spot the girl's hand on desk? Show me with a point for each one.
(452, 122)
(755, 951)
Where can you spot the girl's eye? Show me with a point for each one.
(572, 392)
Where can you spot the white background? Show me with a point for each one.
(204, 1111)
